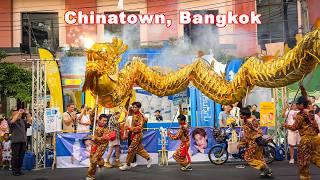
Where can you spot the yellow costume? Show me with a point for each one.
(253, 153)
(309, 147)
(181, 155)
(98, 148)
(136, 146)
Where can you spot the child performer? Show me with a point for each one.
(6, 153)
(99, 145)
(253, 153)
(181, 155)
(136, 146)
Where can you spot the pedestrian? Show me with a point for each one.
(182, 155)
(4, 128)
(309, 147)
(19, 123)
(136, 146)
(253, 154)
(158, 116)
(225, 117)
(114, 125)
(128, 125)
(69, 123)
(83, 120)
(254, 111)
(293, 136)
(6, 152)
(98, 147)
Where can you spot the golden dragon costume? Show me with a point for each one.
(113, 86)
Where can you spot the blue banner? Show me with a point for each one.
(205, 109)
(73, 149)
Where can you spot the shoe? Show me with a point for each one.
(124, 167)
(266, 172)
(149, 163)
(291, 161)
(117, 163)
(90, 178)
(187, 168)
(134, 164)
(16, 174)
(108, 165)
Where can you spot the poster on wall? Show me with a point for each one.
(201, 141)
(167, 105)
(53, 120)
(267, 114)
(73, 149)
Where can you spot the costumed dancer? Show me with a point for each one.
(181, 155)
(99, 145)
(136, 146)
(309, 147)
(253, 154)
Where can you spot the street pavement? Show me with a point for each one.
(281, 170)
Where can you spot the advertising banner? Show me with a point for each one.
(73, 149)
(201, 141)
(52, 78)
(53, 120)
(267, 114)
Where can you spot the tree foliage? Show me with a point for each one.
(15, 81)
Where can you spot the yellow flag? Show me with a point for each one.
(53, 79)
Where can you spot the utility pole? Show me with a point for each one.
(29, 34)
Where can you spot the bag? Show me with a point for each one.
(112, 135)
(233, 147)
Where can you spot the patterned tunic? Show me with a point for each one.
(136, 146)
(98, 148)
(253, 153)
(181, 155)
(309, 147)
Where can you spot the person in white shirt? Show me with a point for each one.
(317, 117)
(83, 119)
(236, 113)
(293, 136)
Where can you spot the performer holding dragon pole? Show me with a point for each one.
(309, 147)
(99, 145)
(136, 146)
(181, 155)
(254, 152)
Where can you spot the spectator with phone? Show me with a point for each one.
(19, 123)
(83, 119)
(69, 123)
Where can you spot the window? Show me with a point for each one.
(279, 21)
(204, 36)
(129, 33)
(44, 30)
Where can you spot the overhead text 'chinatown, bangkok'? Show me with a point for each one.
(184, 17)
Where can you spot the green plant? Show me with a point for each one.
(3, 55)
(15, 81)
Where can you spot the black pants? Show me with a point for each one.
(129, 143)
(18, 151)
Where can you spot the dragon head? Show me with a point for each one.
(103, 59)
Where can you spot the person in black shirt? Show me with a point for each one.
(255, 112)
(158, 116)
(19, 123)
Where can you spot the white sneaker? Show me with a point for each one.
(90, 178)
(134, 164)
(149, 163)
(124, 167)
(291, 161)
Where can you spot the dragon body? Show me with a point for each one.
(113, 86)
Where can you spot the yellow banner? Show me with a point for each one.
(72, 82)
(53, 79)
(267, 114)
